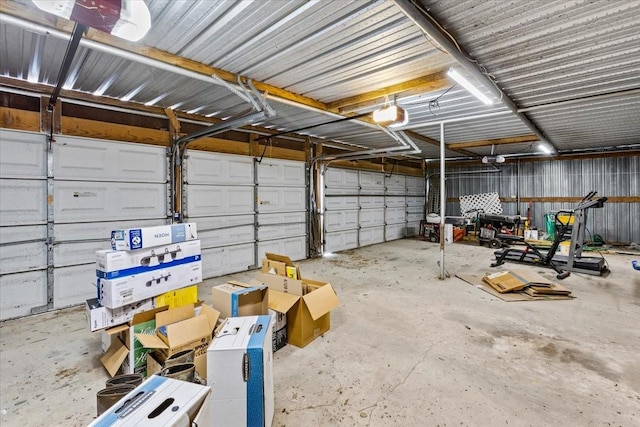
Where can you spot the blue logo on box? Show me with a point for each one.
(135, 238)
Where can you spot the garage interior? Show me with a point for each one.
(258, 121)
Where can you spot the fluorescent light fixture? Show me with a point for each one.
(545, 148)
(391, 115)
(462, 81)
(127, 19)
(493, 159)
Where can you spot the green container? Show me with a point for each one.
(550, 225)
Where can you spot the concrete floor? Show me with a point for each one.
(404, 349)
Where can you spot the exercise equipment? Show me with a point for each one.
(574, 220)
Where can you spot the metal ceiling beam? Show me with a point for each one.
(489, 142)
(430, 83)
(429, 26)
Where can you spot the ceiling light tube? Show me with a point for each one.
(545, 148)
(455, 75)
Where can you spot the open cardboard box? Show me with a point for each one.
(306, 302)
(181, 329)
(280, 265)
(234, 299)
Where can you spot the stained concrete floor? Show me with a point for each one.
(404, 349)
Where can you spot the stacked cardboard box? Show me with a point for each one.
(306, 303)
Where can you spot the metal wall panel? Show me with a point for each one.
(226, 260)
(213, 200)
(341, 241)
(218, 169)
(84, 201)
(371, 236)
(20, 292)
(371, 217)
(282, 173)
(22, 155)
(341, 220)
(294, 247)
(281, 225)
(95, 160)
(73, 285)
(370, 202)
(281, 199)
(340, 178)
(23, 202)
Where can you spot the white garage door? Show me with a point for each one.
(58, 208)
(219, 198)
(363, 208)
(282, 208)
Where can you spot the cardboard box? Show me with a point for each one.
(126, 353)
(181, 329)
(125, 290)
(279, 337)
(239, 363)
(100, 317)
(177, 297)
(233, 299)
(505, 281)
(146, 405)
(138, 238)
(277, 264)
(308, 315)
(112, 264)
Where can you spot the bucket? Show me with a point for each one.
(184, 356)
(182, 371)
(564, 247)
(133, 379)
(109, 396)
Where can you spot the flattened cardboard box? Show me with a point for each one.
(308, 316)
(233, 299)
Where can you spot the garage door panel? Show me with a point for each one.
(414, 216)
(98, 230)
(211, 200)
(372, 181)
(21, 257)
(74, 285)
(394, 231)
(281, 199)
(340, 202)
(20, 292)
(219, 169)
(23, 202)
(68, 254)
(226, 260)
(341, 178)
(341, 220)
(282, 172)
(395, 201)
(371, 217)
(395, 215)
(23, 233)
(395, 184)
(415, 201)
(227, 236)
(412, 228)
(277, 226)
(294, 247)
(341, 240)
(415, 185)
(82, 201)
(88, 159)
(22, 155)
(371, 236)
(371, 202)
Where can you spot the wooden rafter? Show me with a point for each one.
(429, 83)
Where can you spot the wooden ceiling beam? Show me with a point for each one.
(489, 142)
(429, 83)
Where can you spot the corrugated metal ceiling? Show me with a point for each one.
(539, 52)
